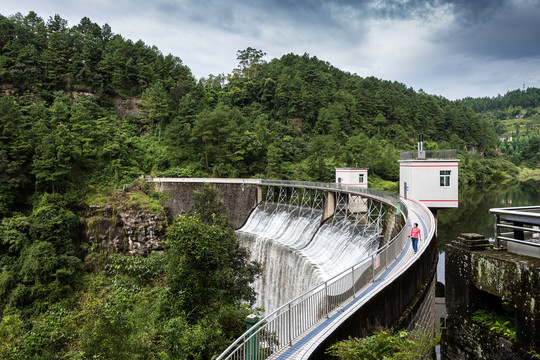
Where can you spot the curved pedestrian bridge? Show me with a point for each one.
(327, 251)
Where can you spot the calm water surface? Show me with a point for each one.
(473, 216)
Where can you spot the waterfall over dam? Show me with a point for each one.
(297, 252)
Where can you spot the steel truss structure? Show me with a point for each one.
(366, 214)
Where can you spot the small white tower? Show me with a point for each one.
(352, 176)
(429, 176)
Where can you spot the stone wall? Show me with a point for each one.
(239, 199)
(478, 277)
(468, 340)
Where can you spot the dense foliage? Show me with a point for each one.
(386, 344)
(527, 99)
(188, 303)
(83, 109)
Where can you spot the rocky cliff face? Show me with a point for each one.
(123, 229)
(125, 107)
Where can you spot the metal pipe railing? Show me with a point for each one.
(388, 198)
(524, 221)
(125, 186)
(429, 154)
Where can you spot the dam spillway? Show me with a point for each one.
(297, 252)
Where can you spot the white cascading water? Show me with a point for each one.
(297, 252)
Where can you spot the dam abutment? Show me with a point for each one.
(239, 199)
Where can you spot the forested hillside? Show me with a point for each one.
(83, 105)
(83, 110)
(516, 119)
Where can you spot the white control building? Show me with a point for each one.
(352, 176)
(430, 177)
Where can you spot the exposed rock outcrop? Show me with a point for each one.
(125, 107)
(124, 229)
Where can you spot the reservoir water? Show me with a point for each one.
(473, 216)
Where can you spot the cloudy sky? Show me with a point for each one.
(452, 48)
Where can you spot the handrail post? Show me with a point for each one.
(327, 300)
(290, 325)
(373, 267)
(496, 232)
(386, 257)
(353, 283)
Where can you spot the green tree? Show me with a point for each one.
(17, 148)
(43, 266)
(53, 159)
(155, 105)
(6, 196)
(380, 120)
(250, 61)
(83, 125)
(274, 168)
(208, 208)
(204, 131)
(207, 266)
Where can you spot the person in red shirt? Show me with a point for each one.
(415, 236)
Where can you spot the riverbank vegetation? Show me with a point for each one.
(84, 110)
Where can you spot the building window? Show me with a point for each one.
(361, 178)
(445, 177)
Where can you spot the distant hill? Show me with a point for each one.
(515, 118)
(526, 99)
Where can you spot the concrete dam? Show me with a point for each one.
(335, 260)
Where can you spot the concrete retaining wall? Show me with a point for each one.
(239, 199)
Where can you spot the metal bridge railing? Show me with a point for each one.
(125, 186)
(286, 324)
(524, 226)
(380, 195)
(428, 154)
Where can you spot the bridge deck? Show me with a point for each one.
(305, 345)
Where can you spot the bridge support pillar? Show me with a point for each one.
(259, 195)
(329, 205)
